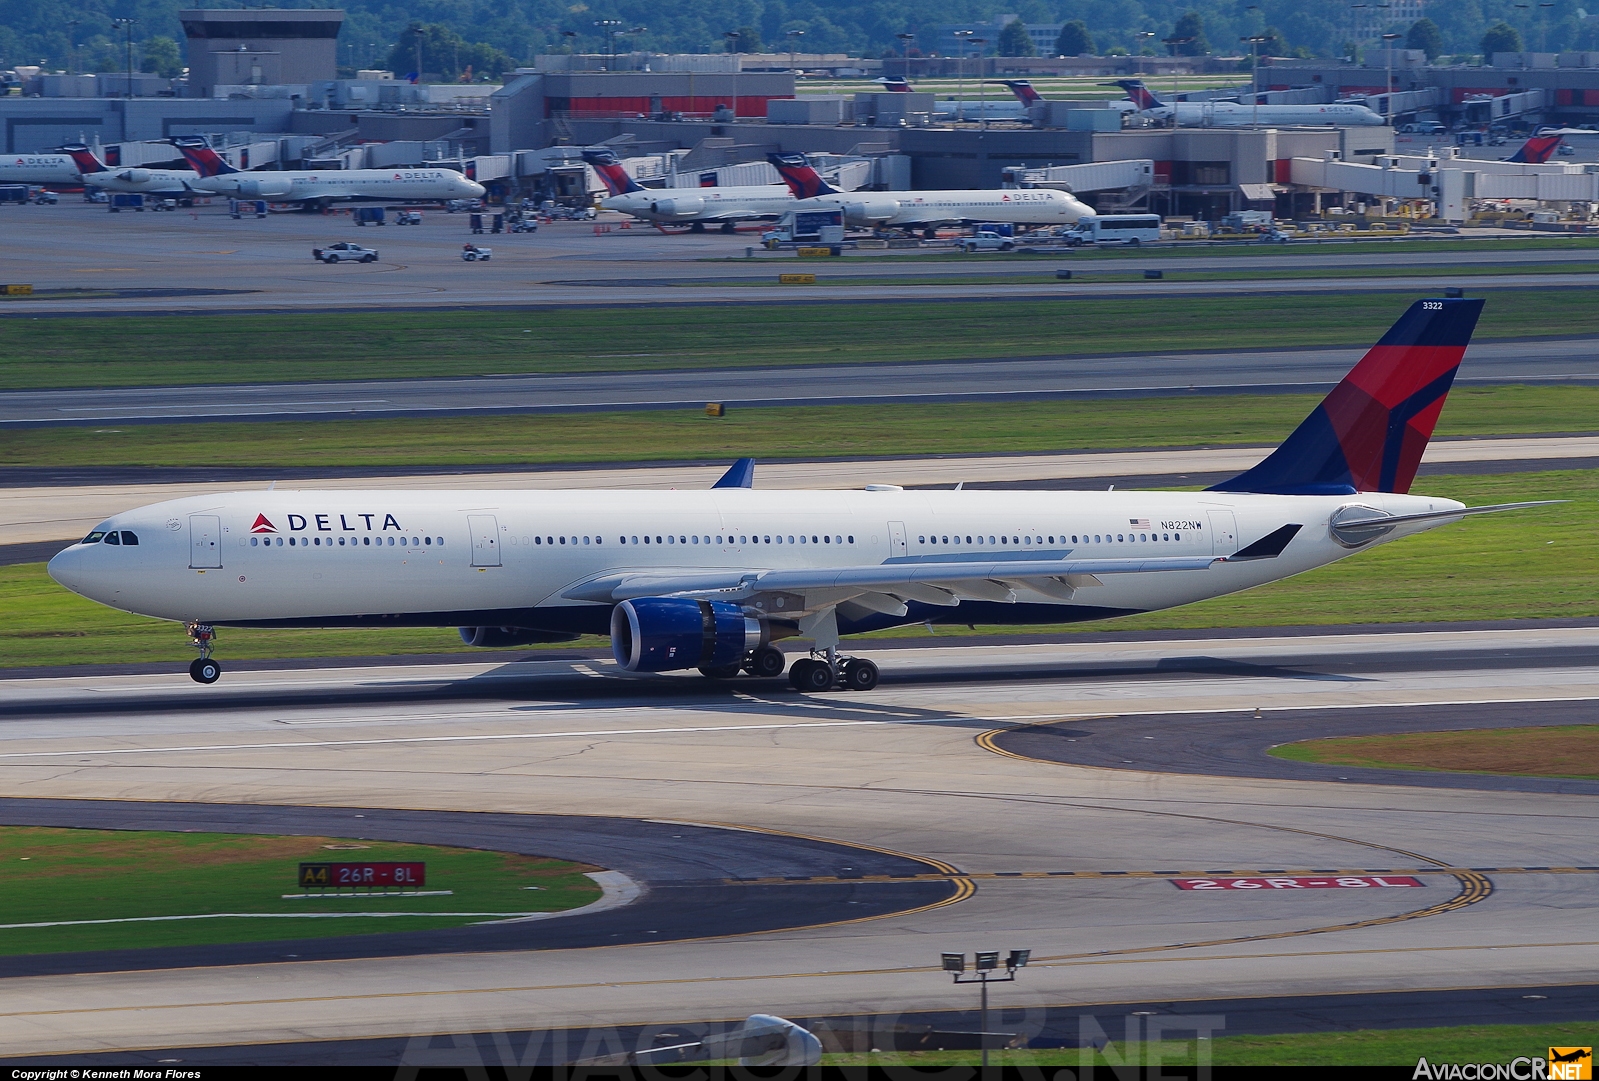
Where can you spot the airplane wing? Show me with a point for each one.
(938, 583)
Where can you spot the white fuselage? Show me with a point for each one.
(686, 205)
(1020, 206)
(994, 109)
(496, 557)
(147, 181)
(337, 184)
(38, 169)
(1232, 114)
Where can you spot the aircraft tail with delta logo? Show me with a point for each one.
(1140, 95)
(608, 167)
(800, 176)
(202, 159)
(1368, 435)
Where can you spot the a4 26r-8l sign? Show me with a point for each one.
(336, 875)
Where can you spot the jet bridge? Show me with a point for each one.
(1451, 182)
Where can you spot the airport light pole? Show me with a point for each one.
(1255, 43)
(984, 964)
(791, 35)
(72, 46)
(608, 27)
(1142, 38)
(1388, 78)
(1171, 44)
(905, 47)
(416, 30)
(732, 37)
(982, 87)
(1354, 32)
(127, 27)
(960, 37)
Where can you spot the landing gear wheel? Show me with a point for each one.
(729, 227)
(860, 675)
(205, 670)
(766, 663)
(929, 234)
(813, 676)
(726, 671)
(696, 227)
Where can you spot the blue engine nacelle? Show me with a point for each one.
(661, 634)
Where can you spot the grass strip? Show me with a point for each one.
(1555, 751)
(1366, 1047)
(791, 432)
(68, 874)
(1535, 564)
(1309, 249)
(148, 350)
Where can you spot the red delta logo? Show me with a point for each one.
(261, 525)
(1004, 198)
(396, 176)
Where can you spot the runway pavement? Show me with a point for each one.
(1251, 371)
(111, 262)
(1073, 861)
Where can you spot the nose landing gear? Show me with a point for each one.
(204, 669)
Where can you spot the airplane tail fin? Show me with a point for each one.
(895, 84)
(84, 158)
(1536, 150)
(803, 180)
(1023, 90)
(1369, 433)
(1140, 95)
(609, 168)
(202, 159)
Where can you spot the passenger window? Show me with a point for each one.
(718, 538)
(657, 539)
(827, 539)
(391, 542)
(254, 541)
(366, 540)
(1027, 540)
(990, 540)
(341, 542)
(921, 540)
(852, 539)
(791, 539)
(1119, 538)
(317, 541)
(129, 537)
(112, 538)
(968, 540)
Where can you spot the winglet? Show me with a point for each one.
(741, 474)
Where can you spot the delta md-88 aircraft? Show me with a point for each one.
(709, 580)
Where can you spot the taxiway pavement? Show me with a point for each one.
(1073, 861)
(1573, 360)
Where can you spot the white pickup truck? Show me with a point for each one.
(345, 252)
(986, 241)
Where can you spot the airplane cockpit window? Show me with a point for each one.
(111, 537)
(129, 537)
(94, 538)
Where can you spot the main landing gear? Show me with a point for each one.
(766, 662)
(204, 669)
(847, 673)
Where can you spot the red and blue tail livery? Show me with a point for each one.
(1369, 433)
(84, 159)
(202, 159)
(895, 84)
(1536, 150)
(1023, 90)
(801, 178)
(1140, 95)
(608, 167)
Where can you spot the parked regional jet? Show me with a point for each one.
(694, 207)
(321, 188)
(1537, 150)
(1232, 114)
(162, 183)
(38, 169)
(926, 209)
(709, 580)
(998, 109)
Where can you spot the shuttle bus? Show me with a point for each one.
(1129, 229)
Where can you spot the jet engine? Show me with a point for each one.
(660, 634)
(134, 176)
(870, 210)
(502, 637)
(264, 189)
(684, 206)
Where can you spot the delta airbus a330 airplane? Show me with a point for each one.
(710, 579)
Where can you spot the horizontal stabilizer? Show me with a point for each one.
(1358, 525)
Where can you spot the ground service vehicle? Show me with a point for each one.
(1129, 229)
(344, 252)
(124, 200)
(369, 215)
(987, 241)
(408, 217)
(471, 253)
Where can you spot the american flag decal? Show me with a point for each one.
(1138, 523)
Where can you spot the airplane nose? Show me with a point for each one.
(66, 567)
(475, 189)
